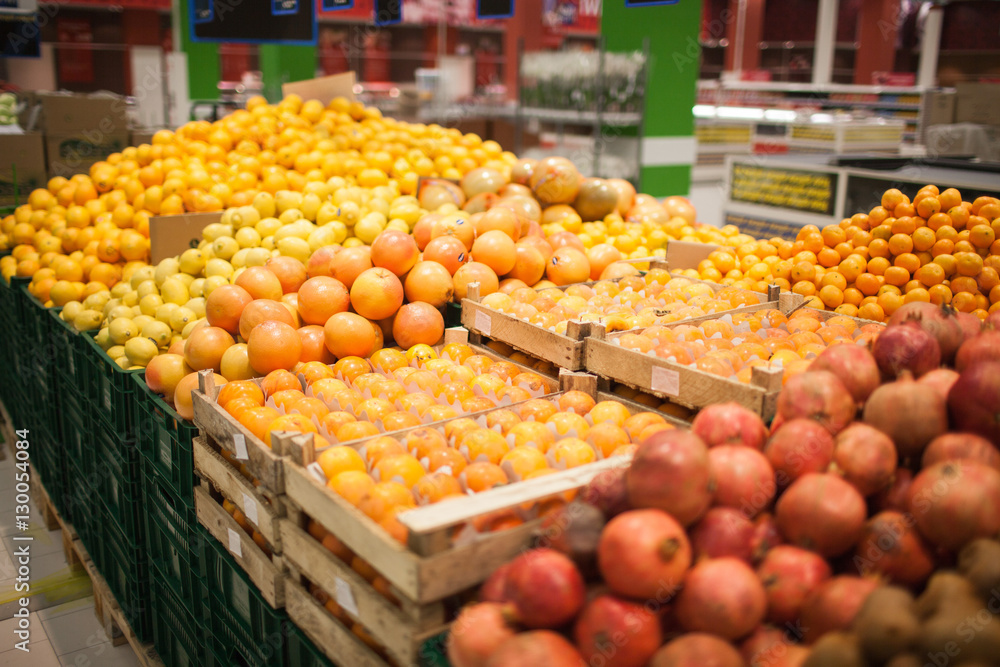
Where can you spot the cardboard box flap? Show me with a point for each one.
(23, 156)
(686, 255)
(170, 235)
(324, 88)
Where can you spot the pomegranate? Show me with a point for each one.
(959, 447)
(854, 365)
(607, 492)
(820, 396)
(897, 495)
(722, 596)
(993, 320)
(544, 588)
(729, 424)
(980, 349)
(743, 479)
(493, 588)
(954, 502)
(763, 643)
(697, 650)
(670, 471)
(822, 513)
(723, 531)
(941, 380)
(974, 401)
(799, 447)
(865, 457)
(910, 413)
(644, 554)
(834, 605)
(940, 322)
(476, 634)
(538, 647)
(971, 325)
(574, 530)
(906, 348)
(789, 575)
(617, 633)
(891, 547)
(766, 536)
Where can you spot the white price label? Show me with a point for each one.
(241, 446)
(483, 322)
(666, 381)
(345, 597)
(250, 509)
(234, 543)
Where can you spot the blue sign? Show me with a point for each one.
(22, 36)
(649, 3)
(388, 12)
(284, 7)
(204, 11)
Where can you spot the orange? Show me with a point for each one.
(400, 467)
(573, 452)
(611, 411)
(523, 461)
(436, 486)
(336, 460)
(273, 346)
(483, 475)
(257, 420)
(448, 459)
(246, 389)
(382, 498)
(351, 485)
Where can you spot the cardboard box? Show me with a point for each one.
(170, 235)
(324, 89)
(26, 153)
(63, 114)
(74, 152)
(978, 103)
(141, 136)
(940, 109)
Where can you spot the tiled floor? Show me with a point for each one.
(64, 630)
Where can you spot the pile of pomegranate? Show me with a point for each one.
(857, 530)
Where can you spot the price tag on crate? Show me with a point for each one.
(483, 322)
(106, 393)
(241, 446)
(666, 381)
(235, 547)
(250, 509)
(345, 597)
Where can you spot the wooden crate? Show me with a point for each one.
(685, 385)
(266, 571)
(336, 641)
(564, 350)
(261, 506)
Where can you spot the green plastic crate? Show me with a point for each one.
(178, 635)
(109, 388)
(123, 565)
(48, 457)
(116, 463)
(243, 628)
(83, 480)
(172, 541)
(165, 440)
(301, 652)
(67, 342)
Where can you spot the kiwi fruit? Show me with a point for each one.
(968, 627)
(887, 624)
(979, 561)
(835, 649)
(942, 590)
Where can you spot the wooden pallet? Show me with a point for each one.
(109, 614)
(267, 572)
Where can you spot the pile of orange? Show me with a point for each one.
(733, 345)
(936, 248)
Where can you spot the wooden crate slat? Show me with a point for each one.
(262, 571)
(388, 624)
(238, 491)
(337, 642)
(219, 425)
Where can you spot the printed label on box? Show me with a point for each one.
(345, 597)
(250, 508)
(234, 543)
(241, 446)
(483, 322)
(241, 595)
(666, 381)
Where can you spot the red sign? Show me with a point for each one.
(894, 79)
(75, 65)
(572, 16)
(755, 75)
